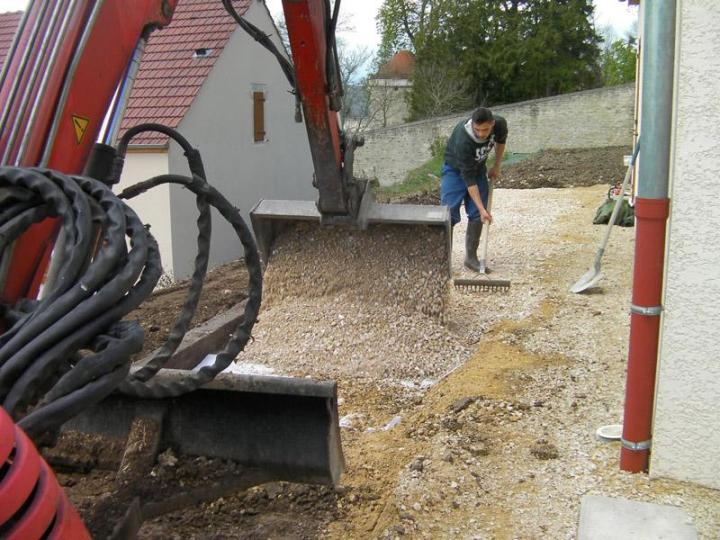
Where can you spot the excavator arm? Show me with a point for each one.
(342, 199)
(314, 59)
(55, 89)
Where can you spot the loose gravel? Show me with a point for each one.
(340, 302)
(477, 422)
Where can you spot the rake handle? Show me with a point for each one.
(485, 231)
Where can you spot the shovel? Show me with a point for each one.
(594, 275)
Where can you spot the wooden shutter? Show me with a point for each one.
(259, 116)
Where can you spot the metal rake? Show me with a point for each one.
(482, 285)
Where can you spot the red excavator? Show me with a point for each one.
(74, 259)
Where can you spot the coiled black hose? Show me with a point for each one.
(182, 323)
(241, 334)
(71, 349)
(44, 343)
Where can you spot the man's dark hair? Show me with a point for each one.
(482, 115)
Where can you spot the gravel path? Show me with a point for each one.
(481, 423)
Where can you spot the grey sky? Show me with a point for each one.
(362, 14)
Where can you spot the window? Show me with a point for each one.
(202, 53)
(258, 115)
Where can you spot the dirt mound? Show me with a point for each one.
(566, 168)
(391, 265)
(545, 169)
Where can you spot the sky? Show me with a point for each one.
(361, 14)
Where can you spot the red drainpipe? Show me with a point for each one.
(651, 212)
(650, 219)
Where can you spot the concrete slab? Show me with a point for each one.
(606, 518)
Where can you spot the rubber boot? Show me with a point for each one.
(472, 239)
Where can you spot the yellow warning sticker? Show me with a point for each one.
(80, 124)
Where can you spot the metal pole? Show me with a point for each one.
(651, 212)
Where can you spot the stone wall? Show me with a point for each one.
(593, 118)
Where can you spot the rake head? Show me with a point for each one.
(482, 285)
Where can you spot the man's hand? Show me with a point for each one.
(494, 173)
(485, 216)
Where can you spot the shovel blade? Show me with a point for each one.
(587, 281)
(286, 427)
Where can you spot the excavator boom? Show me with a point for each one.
(342, 198)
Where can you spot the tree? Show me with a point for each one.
(437, 91)
(353, 62)
(505, 50)
(618, 61)
(408, 24)
(381, 100)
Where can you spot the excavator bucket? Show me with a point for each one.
(342, 200)
(270, 218)
(284, 428)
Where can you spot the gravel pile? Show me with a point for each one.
(386, 264)
(372, 303)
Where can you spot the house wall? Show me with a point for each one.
(593, 118)
(220, 124)
(686, 438)
(153, 207)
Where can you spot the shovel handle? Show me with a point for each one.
(618, 202)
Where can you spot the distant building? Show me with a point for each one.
(388, 91)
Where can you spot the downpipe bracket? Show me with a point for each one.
(648, 311)
(635, 446)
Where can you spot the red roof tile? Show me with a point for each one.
(8, 25)
(170, 76)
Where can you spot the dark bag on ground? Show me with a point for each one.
(625, 217)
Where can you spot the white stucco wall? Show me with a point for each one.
(153, 206)
(686, 438)
(220, 124)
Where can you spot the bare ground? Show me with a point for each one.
(503, 444)
(548, 168)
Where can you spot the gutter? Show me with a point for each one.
(651, 212)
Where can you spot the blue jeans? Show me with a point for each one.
(453, 192)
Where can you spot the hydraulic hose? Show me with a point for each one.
(62, 354)
(182, 323)
(47, 336)
(241, 335)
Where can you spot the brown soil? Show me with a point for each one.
(500, 447)
(567, 168)
(548, 168)
(223, 287)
